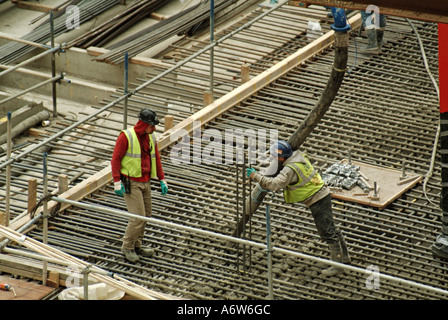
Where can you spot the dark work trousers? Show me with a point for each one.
(323, 218)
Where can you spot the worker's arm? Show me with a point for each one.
(160, 173)
(121, 146)
(286, 177)
(119, 151)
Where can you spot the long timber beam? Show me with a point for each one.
(209, 113)
(251, 87)
(86, 187)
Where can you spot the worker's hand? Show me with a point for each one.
(164, 187)
(249, 171)
(119, 189)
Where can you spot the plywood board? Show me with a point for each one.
(24, 290)
(390, 185)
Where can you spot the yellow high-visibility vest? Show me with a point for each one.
(309, 182)
(131, 164)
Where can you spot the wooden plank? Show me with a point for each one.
(24, 290)
(53, 280)
(157, 16)
(86, 187)
(32, 269)
(142, 61)
(228, 101)
(168, 122)
(34, 132)
(96, 51)
(148, 62)
(389, 182)
(298, 4)
(32, 193)
(33, 6)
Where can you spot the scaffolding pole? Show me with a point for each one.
(8, 169)
(273, 249)
(142, 86)
(32, 59)
(41, 84)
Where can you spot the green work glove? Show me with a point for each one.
(119, 189)
(164, 187)
(249, 171)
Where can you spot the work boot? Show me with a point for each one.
(372, 45)
(240, 226)
(336, 256)
(147, 253)
(380, 37)
(130, 255)
(440, 247)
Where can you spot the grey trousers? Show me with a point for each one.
(138, 202)
(323, 218)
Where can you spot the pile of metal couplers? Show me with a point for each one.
(344, 176)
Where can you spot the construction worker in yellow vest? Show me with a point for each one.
(302, 183)
(135, 162)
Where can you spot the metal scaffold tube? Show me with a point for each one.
(32, 59)
(140, 87)
(8, 172)
(215, 235)
(212, 52)
(198, 265)
(87, 9)
(129, 287)
(52, 80)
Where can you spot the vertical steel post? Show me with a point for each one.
(45, 216)
(269, 249)
(85, 273)
(8, 169)
(212, 49)
(244, 181)
(126, 79)
(237, 180)
(53, 64)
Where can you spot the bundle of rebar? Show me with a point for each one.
(88, 9)
(109, 30)
(176, 24)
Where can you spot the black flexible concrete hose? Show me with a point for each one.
(341, 41)
(328, 95)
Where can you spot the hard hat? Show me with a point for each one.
(281, 148)
(148, 116)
